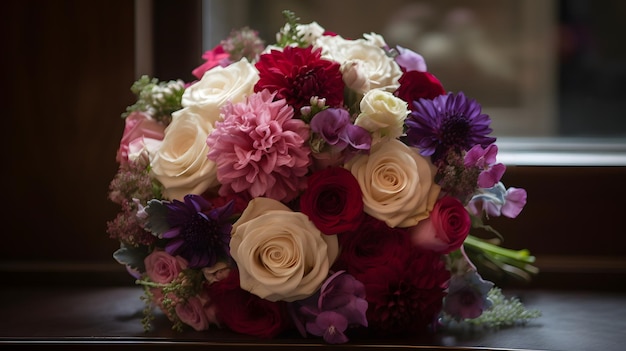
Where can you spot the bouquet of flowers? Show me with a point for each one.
(319, 184)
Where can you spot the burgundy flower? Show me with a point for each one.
(247, 313)
(297, 74)
(403, 287)
(373, 244)
(333, 201)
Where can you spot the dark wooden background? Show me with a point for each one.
(67, 67)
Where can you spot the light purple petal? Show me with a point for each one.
(491, 152)
(173, 246)
(492, 176)
(330, 123)
(331, 326)
(474, 156)
(410, 60)
(514, 203)
(357, 137)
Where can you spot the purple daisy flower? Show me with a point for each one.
(447, 122)
(198, 231)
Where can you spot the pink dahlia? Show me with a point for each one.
(297, 74)
(259, 148)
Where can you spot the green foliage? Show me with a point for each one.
(158, 99)
(289, 35)
(187, 284)
(504, 312)
(494, 260)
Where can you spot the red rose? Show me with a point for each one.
(247, 313)
(446, 228)
(333, 201)
(415, 85)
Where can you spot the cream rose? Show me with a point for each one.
(280, 254)
(364, 65)
(218, 85)
(181, 162)
(397, 183)
(382, 114)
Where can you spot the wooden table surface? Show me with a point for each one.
(109, 317)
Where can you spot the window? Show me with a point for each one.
(539, 68)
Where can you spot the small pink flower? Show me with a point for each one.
(141, 131)
(259, 148)
(214, 57)
(191, 312)
(162, 267)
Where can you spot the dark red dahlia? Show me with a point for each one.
(297, 74)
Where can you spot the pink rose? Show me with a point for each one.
(192, 313)
(158, 298)
(446, 228)
(162, 267)
(140, 132)
(214, 57)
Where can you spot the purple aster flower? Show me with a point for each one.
(447, 122)
(194, 229)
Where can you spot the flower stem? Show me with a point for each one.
(477, 243)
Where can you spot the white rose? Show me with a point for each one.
(219, 85)
(181, 162)
(375, 39)
(371, 61)
(382, 114)
(397, 183)
(280, 254)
